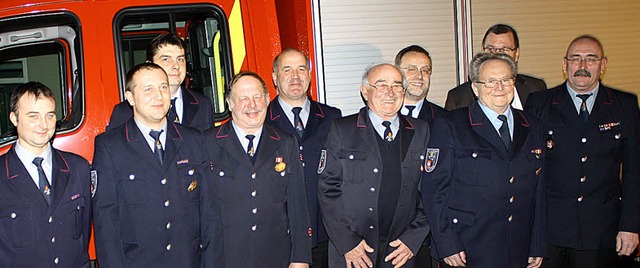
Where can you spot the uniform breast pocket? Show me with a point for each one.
(16, 224)
(473, 167)
(133, 186)
(278, 184)
(75, 209)
(190, 183)
(224, 184)
(354, 162)
(611, 141)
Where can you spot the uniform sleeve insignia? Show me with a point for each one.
(431, 160)
(323, 161)
(94, 182)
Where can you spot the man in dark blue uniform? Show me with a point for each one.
(593, 164)
(295, 113)
(188, 107)
(482, 187)
(259, 182)
(369, 178)
(499, 38)
(415, 63)
(45, 199)
(153, 177)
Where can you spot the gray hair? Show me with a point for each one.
(480, 58)
(370, 69)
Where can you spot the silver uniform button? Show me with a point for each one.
(50, 219)
(53, 239)
(370, 209)
(550, 132)
(511, 199)
(351, 157)
(254, 227)
(168, 225)
(253, 193)
(282, 174)
(617, 136)
(584, 140)
(13, 215)
(375, 170)
(580, 199)
(303, 164)
(132, 177)
(56, 260)
(167, 203)
(253, 176)
(511, 179)
(254, 210)
(584, 159)
(169, 247)
(164, 181)
(372, 189)
(190, 172)
(221, 173)
(301, 147)
(510, 218)
(371, 227)
(583, 179)
(455, 220)
(474, 155)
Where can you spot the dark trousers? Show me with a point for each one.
(423, 258)
(564, 257)
(320, 255)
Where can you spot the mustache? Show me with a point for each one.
(582, 72)
(252, 110)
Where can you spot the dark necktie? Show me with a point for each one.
(504, 131)
(584, 112)
(43, 183)
(388, 135)
(297, 121)
(157, 149)
(251, 151)
(173, 115)
(410, 108)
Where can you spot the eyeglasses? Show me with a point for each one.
(499, 49)
(493, 83)
(411, 70)
(579, 60)
(383, 88)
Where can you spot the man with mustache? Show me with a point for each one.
(592, 162)
(415, 63)
(499, 38)
(259, 180)
(295, 113)
(369, 178)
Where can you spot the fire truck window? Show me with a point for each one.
(205, 31)
(43, 50)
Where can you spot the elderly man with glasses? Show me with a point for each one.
(499, 38)
(482, 186)
(369, 178)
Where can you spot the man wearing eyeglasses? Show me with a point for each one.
(415, 63)
(369, 178)
(499, 38)
(482, 187)
(592, 167)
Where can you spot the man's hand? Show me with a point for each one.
(534, 262)
(358, 256)
(298, 265)
(400, 255)
(626, 243)
(457, 260)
